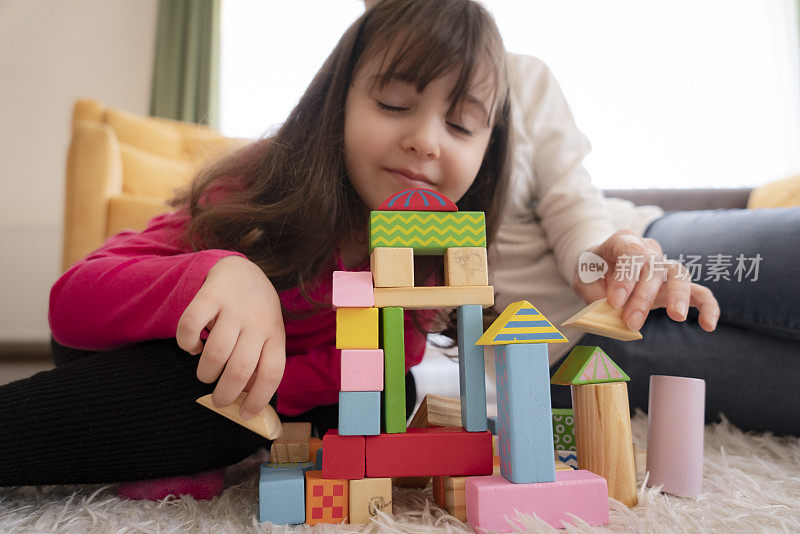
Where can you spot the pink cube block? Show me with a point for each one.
(352, 289)
(491, 499)
(362, 370)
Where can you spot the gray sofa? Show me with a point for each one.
(684, 199)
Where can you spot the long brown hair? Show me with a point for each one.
(285, 201)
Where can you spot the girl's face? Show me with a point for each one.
(396, 138)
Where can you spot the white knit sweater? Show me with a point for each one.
(554, 212)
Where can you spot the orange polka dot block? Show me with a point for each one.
(326, 499)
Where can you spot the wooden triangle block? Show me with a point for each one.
(264, 424)
(603, 319)
(521, 322)
(588, 365)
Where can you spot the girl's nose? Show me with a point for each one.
(422, 140)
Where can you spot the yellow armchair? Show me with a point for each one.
(122, 168)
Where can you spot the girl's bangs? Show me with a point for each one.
(422, 45)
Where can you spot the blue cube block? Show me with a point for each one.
(281, 493)
(359, 413)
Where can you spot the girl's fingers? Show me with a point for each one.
(703, 299)
(239, 368)
(197, 315)
(267, 378)
(643, 297)
(678, 292)
(624, 254)
(217, 350)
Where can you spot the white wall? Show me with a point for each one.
(52, 53)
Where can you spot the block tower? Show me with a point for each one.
(363, 453)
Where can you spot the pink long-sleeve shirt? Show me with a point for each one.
(136, 286)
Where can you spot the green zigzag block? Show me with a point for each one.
(427, 232)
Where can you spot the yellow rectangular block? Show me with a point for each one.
(367, 497)
(357, 328)
(420, 298)
(392, 267)
(466, 266)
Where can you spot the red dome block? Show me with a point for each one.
(419, 199)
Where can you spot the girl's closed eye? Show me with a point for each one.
(390, 108)
(461, 130)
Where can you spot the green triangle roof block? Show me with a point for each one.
(521, 322)
(588, 365)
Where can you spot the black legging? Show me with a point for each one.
(120, 415)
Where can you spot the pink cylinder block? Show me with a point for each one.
(675, 425)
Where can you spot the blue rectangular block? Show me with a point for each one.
(318, 462)
(281, 493)
(524, 414)
(359, 413)
(471, 379)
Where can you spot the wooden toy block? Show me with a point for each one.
(392, 267)
(344, 457)
(394, 368)
(603, 436)
(362, 370)
(519, 323)
(369, 496)
(423, 298)
(675, 429)
(563, 429)
(561, 466)
(292, 445)
(359, 413)
(418, 199)
(352, 289)
(568, 458)
(451, 495)
(314, 445)
(588, 365)
(327, 500)
(466, 266)
(357, 328)
(435, 410)
(281, 496)
(471, 371)
(523, 398)
(603, 319)
(427, 232)
(429, 451)
(495, 444)
(492, 501)
(318, 461)
(264, 424)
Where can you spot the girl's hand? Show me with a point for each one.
(625, 250)
(239, 306)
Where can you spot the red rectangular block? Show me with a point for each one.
(343, 457)
(429, 452)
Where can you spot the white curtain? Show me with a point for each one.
(684, 93)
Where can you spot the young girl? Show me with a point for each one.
(414, 95)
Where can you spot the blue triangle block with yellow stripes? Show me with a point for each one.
(520, 322)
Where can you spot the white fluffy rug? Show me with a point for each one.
(752, 484)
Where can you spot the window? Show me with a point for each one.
(682, 94)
